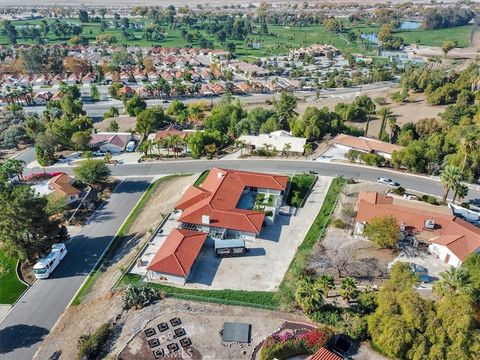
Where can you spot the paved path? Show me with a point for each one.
(36, 313)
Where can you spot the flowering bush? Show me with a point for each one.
(292, 344)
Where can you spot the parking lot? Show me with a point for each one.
(264, 266)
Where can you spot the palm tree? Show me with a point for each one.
(174, 141)
(267, 148)
(308, 148)
(384, 113)
(348, 288)
(470, 143)
(286, 149)
(449, 177)
(308, 296)
(13, 167)
(454, 280)
(326, 283)
(392, 124)
(370, 108)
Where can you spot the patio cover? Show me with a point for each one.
(236, 332)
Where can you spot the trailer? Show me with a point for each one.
(45, 266)
(229, 248)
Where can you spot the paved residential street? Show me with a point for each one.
(35, 315)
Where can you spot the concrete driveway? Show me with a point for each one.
(37, 311)
(264, 266)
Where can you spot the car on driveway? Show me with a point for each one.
(387, 181)
(99, 153)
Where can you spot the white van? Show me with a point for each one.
(45, 266)
(131, 146)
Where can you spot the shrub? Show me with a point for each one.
(138, 297)
(465, 205)
(399, 191)
(339, 223)
(432, 200)
(90, 345)
(373, 159)
(290, 344)
(352, 155)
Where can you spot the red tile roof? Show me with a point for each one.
(170, 130)
(62, 184)
(365, 144)
(178, 253)
(324, 354)
(218, 197)
(461, 237)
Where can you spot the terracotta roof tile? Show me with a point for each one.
(365, 144)
(218, 197)
(324, 354)
(178, 253)
(62, 184)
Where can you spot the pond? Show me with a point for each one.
(372, 37)
(410, 25)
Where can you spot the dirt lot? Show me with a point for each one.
(125, 123)
(342, 255)
(100, 306)
(202, 323)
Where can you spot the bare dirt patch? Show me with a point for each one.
(101, 305)
(125, 123)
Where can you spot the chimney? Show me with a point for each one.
(205, 219)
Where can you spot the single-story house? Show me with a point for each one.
(174, 260)
(366, 145)
(215, 206)
(110, 142)
(450, 238)
(324, 354)
(279, 140)
(62, 187)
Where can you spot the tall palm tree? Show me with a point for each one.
(326, 282)
(308, 296)
(470, 143)
(454, 280)
(392, 124)
(174, 141)
(449, 177)
(385, 113)
(348, 288)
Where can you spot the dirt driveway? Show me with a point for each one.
(101, 305)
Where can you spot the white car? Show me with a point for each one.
(99, 153)
(387, 181)
(409, 197)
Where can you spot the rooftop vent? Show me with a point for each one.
(220, 175)
(205, 219)
(430, 224)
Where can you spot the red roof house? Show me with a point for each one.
(178, 253)
(214, 203)
(324, 354)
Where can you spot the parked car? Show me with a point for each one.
(99, 153)
(131, 146)
(313, 172)
(387, 181)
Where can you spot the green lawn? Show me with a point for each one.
(258, 299)
(299, 186)
(297, 267)
(10, 287)
(201, 178)
(278, 42)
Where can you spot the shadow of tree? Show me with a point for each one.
(20, 336)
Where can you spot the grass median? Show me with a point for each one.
(10, 286)
(117, 241)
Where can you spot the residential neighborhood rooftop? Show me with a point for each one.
(365, 144)
(217, 198)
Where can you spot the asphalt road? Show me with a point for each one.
(422, 184)
(96, 110)
(35, 314)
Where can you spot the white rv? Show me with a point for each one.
(45, 266)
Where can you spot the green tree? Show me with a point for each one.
(150, 120)
(385, 114)
(449, 177)
(326, 282)
(135, 105)
(285, 109)
(25, 228)
(447, 46)
(308, 296)
(383, 231)
(113, 126)
(348, 288)
(92, 171)
(13, 167)
(81, 139)
(94, 93)
(454, 280)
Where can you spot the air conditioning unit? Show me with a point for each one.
(206, 219)
(430, 224)
(402, 226)
(220, 175)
